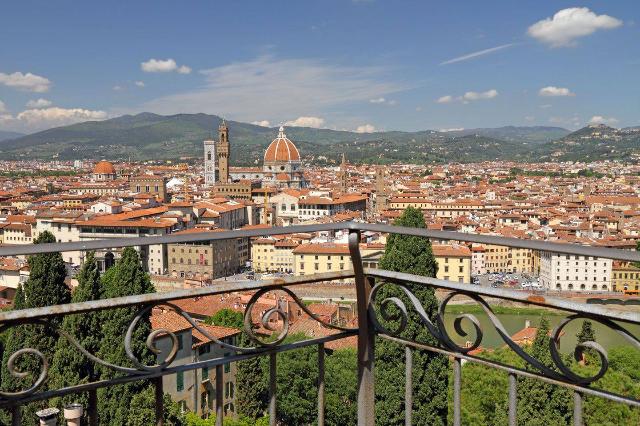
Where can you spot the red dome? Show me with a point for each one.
(104, 168)
(281, 150)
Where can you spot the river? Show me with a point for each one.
(516, 322)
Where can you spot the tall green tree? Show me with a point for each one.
(414, 255)
(45, 287)
(540, 403)
(70, 366)
(126, 278)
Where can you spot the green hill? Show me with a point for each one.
(4, 135)
(148, 136)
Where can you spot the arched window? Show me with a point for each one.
(570, 286)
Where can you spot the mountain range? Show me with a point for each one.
(147, 136)
(4, 135)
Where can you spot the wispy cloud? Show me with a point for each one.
(468, 97)
(279, 88)
(477, 54)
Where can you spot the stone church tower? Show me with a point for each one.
(223, 152)
(209, 162)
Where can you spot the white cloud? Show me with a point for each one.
(545, 106)
(382, 100)
(454, 129)
(476, 54)
(529, 118)
(555, 91)
(117, 88)
(366, 128)
(598, 119)
(263, 123)
(32, 120)
(445, 99)
(164, 65)
(280, 88)
(468, 97)
(139, 83)
(475, 96)
(3, 107)
(27, 82)
(38, 103)
(314, 122)
(567, 25)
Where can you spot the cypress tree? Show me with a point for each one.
(586, 333)
(541, 403)
(252, 392)
(414, 255)
(45, 287)
(127, 277)
(70, 366)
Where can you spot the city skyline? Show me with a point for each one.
(352, 65)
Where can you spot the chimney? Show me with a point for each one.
(48, 416)
(527, 323)
(73, 414)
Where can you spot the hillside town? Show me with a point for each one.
(595, 204)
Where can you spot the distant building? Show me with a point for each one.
(568, 272)
(104, 171)
(210, 162)
(454, 263)
(150, 184)
(625, 277)
(282, 166)
(204, 260)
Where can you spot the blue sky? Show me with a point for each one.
(358, 65)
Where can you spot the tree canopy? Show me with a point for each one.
(414, 255)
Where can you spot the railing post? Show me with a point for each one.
(159, 401)
(513, 399)
(92, 407)
(457, 384)
(408, 386)
(219, 390)
(321, 384)
(366, 335)
(577, 408)
(272, 389)
(16, 415)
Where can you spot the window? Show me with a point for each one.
(205, 373)
(227, 366)
(179, 381)
(229, 390)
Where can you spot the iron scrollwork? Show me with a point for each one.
(139, 367)
(563, 372)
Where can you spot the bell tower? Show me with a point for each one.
(223, 152)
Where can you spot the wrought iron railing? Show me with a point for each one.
(373, 317)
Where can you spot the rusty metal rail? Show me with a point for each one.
(378, 316)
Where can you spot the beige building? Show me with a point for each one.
(454, 262)
(273, 255)
(318, 258)
(203, 260)
(625, 277)
(150, 184)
